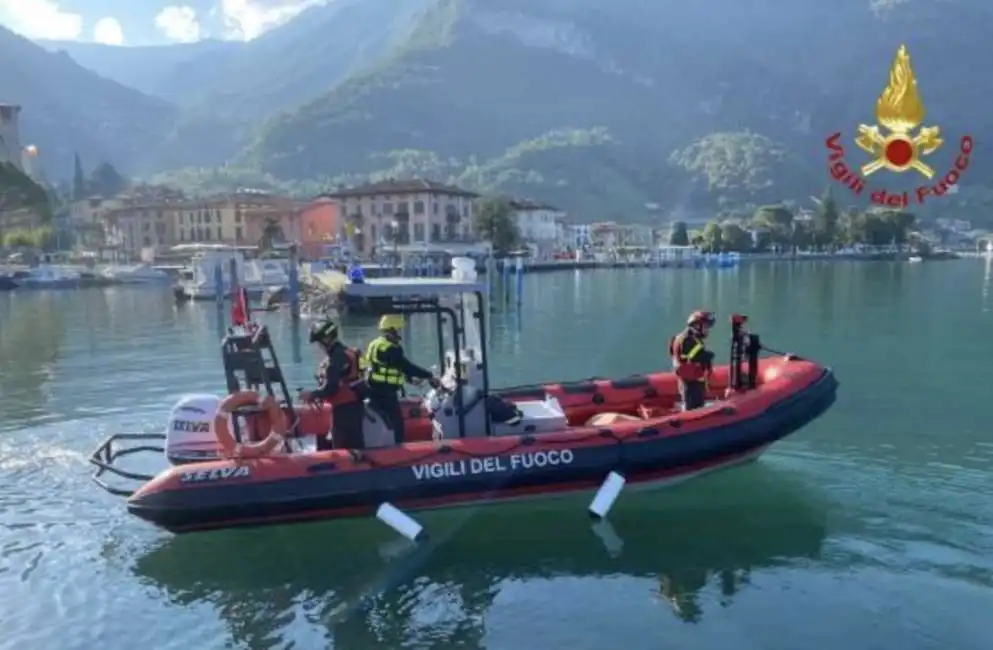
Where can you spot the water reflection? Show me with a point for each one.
(987, 280)
(296, 341)
(340, 577)
(31, 334)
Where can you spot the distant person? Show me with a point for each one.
(389, 368)
(339, 382)
(691, 360)
(355, 273)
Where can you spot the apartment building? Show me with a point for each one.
(538, 225)
(404, 212)
(239, 219)
(10, 134)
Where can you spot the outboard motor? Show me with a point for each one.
(190, 432)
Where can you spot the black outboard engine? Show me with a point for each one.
(744, 345)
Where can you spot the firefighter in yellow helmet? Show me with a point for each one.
(691, 360)
(388, 370)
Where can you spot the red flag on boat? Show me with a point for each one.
(240, 314)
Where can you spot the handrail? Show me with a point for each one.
(104, 456)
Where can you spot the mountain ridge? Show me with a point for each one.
(601, 108)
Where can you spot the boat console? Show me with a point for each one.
(533, 416)
(463, 406)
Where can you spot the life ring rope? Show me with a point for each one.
(231, 448)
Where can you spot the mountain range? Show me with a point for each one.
(599, 107)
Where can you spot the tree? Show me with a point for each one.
(773, 217)
(734, 238)
(826, 219)
(494, 220)
(679, 236)
(711, 238)
(106, 181)
(78, 179)
(272, 233)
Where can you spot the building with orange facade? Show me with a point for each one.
(320, 225)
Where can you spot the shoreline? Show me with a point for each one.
(744, 258)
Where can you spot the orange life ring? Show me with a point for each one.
(230, 447)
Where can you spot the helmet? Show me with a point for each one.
(391, 322)
(701, 318)
(323, 331)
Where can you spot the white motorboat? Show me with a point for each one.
(48, 276)
(134, 274)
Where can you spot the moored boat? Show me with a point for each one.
(461, 445)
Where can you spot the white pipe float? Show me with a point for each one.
(401, 522)
(608, 536)
(606, 496)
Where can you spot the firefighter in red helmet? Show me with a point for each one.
(691, 360)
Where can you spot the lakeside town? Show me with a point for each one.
(105, 219)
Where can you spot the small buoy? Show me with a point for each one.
(401, 522)
(607, 495)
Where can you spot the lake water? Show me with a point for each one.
(871, 528)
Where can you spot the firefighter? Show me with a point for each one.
(388, 370)
(339, 384)
(691, 360)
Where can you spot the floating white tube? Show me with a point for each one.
(605, 497)
(612, 542)
(400, 521)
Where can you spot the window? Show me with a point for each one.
(435, 207)
(148, 241)
(419, 231)
(418, 207)
(219, 234)
(403, 207)
(387, 208)
(237, 217)
(145, 226)
(372, 233)
(436, 232)
(238, 234)
(182, 235)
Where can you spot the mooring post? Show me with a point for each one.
(294, 283)
(235, 284)
(219, 283)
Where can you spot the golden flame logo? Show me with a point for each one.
(900, 111)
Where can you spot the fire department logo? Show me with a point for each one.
(899, 143)
(900, 111)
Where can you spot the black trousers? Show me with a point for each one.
(385, 400)
(694, 394)
(346, 428)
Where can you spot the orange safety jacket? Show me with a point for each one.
(350, 377)
(690, 358)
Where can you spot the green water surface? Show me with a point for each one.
(871, 528)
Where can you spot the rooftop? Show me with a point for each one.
(412, 287)
(393, 186)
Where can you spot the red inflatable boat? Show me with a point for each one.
(568, 436)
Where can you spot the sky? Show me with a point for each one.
(147, 22)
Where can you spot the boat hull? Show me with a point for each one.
(423, 475)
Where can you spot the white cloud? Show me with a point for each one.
(108, 31)
(247, 19)
(179, 23)
(40, 19)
